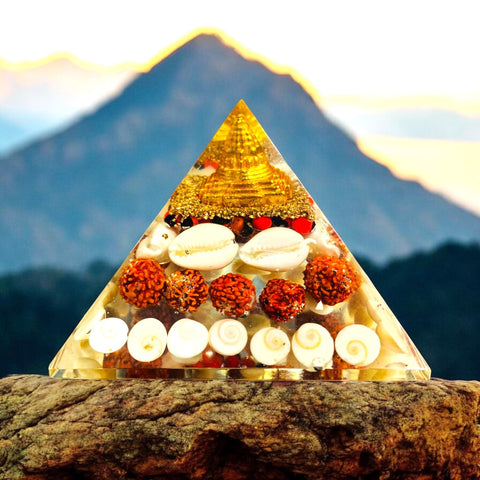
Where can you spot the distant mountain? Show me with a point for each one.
(10, 135)
(91, 190)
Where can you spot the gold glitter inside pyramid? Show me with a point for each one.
(240, 276)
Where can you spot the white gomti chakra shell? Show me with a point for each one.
(147, 340)
(228, 336)
(187, 338)
(313, 346)
(357, 345)
(275, 249)
(108, 335)
(206, 246)
(270, 345)
(156, 244)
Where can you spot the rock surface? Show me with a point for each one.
(173, 429)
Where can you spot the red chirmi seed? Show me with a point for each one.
(262, 223)
(302, 225)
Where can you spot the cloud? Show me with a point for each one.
(464, 103)
(411, 121)
(450, 168)
(344, 47)
(48, 96)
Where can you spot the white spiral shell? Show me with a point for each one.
(187, 338)
(108, 335)
(206, 246)
(357, 345)
(155, 244)
(228, 336)
(147, 340)
(313, 346)
(275, 249)
(270, 346)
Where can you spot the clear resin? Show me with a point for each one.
(240, 276)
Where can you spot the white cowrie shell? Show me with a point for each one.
(155, 244)
(321, 243)
(108, 335)
(275, 249)
(206, 246)
(147, 340)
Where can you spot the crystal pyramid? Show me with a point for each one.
(240, 276)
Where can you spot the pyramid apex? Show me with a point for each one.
(246, 180)
(241, 105)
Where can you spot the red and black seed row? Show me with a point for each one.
(244, 227)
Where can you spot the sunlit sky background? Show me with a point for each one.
(403, 77)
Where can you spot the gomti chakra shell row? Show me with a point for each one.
(311, 344)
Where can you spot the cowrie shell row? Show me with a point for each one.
(206, 246)
(275, 249)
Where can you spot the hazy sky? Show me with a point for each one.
(370, 48)
(402, 76)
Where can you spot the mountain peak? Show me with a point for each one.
(89, 191)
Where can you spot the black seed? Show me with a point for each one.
(279, 222)
(220, 220)
(188, 222)
(247, 230)
(171, 220)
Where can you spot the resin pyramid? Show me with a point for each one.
(240, 276)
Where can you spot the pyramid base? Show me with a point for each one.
(250, 374)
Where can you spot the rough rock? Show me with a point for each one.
(173, 429)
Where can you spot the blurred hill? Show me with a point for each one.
(46, 96)
(91, 190)
(10, 134)
(434, 295)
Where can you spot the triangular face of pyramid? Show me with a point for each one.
(240, 276)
